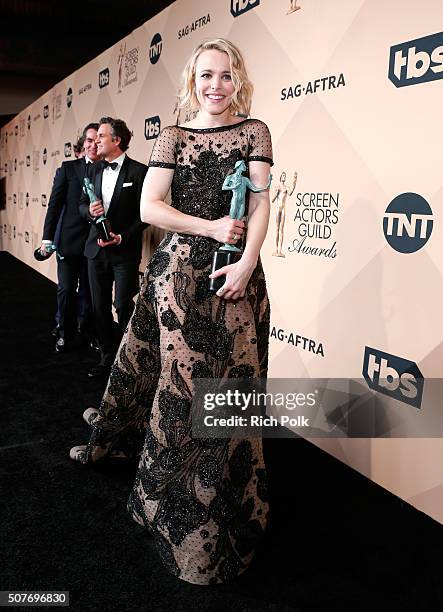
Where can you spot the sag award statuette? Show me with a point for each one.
(101, 223)
(228, 253)
(41, 255)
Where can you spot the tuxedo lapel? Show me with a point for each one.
(119, 184)
(80, 168)
(98, 182)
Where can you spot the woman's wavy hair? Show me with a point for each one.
(243, 88)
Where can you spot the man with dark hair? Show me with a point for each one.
(117, 182)
(65, 229)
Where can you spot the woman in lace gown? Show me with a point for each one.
(203, 500)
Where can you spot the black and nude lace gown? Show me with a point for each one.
(204, 502)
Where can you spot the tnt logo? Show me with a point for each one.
(15, 165)
(103, 78)
(69, 98)
(238, 7)
(46, 111)
(43, 199)
(152, 127)
(408, 223)
(28, 160)
(155, 48)
(16, 130)
(417, 61)
(29, 122)
(14, 199)
(394, 376)
(68, 149)
(27, 199)
(45, 156)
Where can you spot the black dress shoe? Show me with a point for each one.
(56, 331)
(60, 345)
(94, 345)
(99, 370)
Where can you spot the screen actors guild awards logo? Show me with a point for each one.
(127, 67)
(281, 195)
(316, 215)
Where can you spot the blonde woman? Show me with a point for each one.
(204, 501)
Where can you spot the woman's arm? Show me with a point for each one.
(154, 210)
(238, 274)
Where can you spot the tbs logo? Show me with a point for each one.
(152, 127)
(29, 122)
(393, 376)
(28, 161)
(68, 149)
(43, 199)
(103, 78)
(15, 165)
(46, 111)
(155, 48)
(27, 199)
(238, 7)
(45, 156)
(408, 223)
(69, 98)
(14, 199)
(417, 61)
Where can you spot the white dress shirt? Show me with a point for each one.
(109, 181)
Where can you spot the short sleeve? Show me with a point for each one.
(260, 144)
(163, 152)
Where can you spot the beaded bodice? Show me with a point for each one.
(202, 158)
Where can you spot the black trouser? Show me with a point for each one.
(70, 271)
(102, 275)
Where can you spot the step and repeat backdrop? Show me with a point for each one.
(352, 93)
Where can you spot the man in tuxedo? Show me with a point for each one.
(65, 229)
(117, 182)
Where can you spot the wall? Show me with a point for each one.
(358, 118)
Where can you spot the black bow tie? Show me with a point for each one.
(112, 165)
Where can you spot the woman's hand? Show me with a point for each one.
(237, 279)
(226, 230)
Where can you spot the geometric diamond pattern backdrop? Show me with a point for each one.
(348, 140)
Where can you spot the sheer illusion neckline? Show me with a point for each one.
(221, 128)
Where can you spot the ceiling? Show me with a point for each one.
(43, 41)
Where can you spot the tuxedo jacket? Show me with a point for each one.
(63, 223)
(123, 212)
